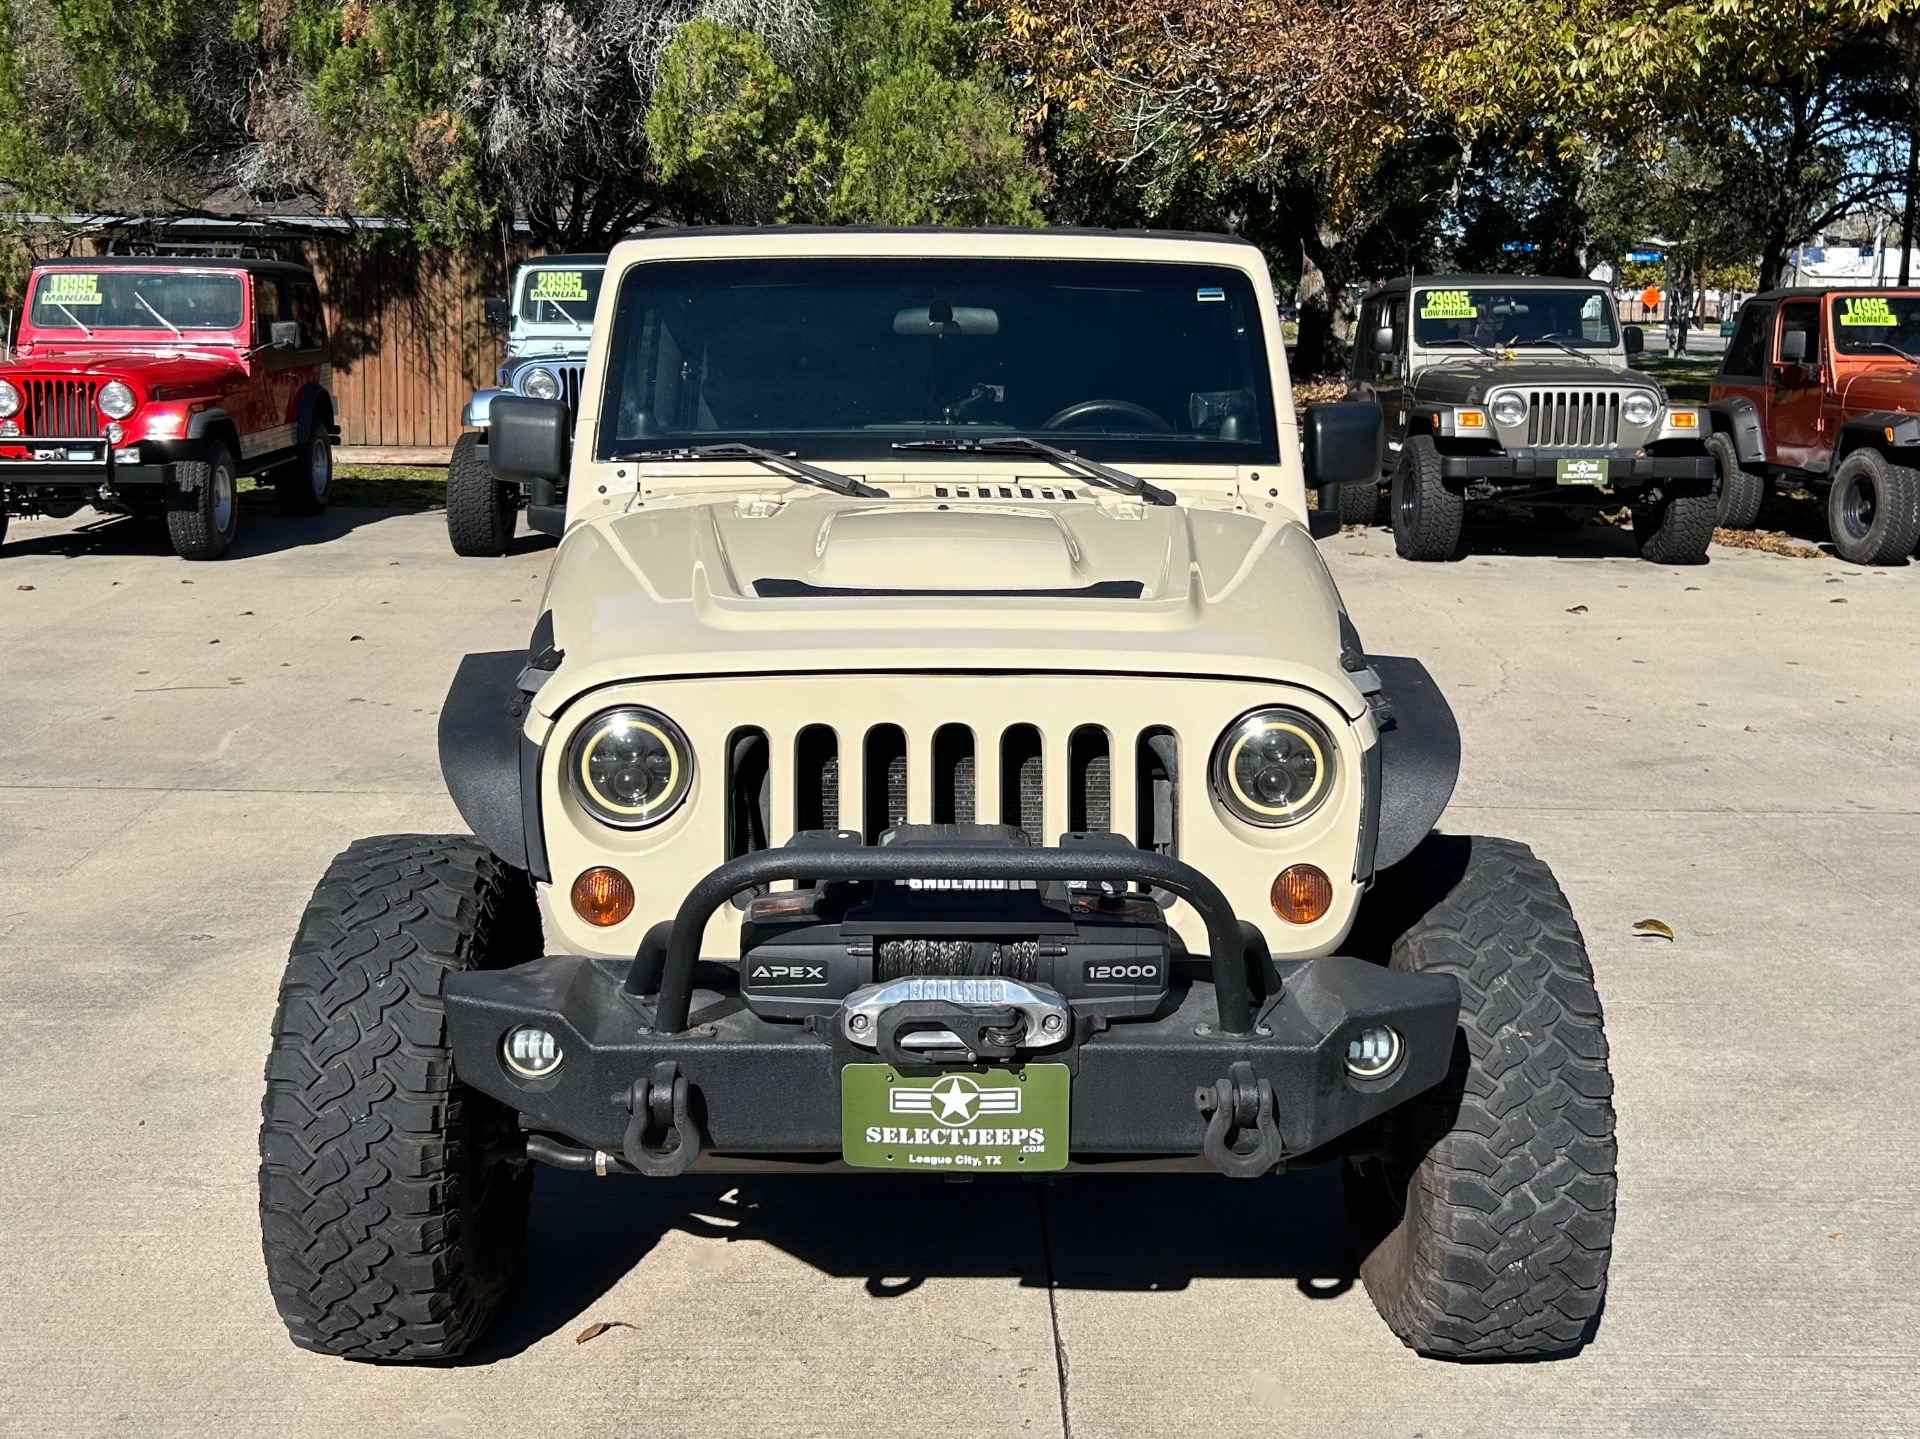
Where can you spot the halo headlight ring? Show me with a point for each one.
(1273, 767)
(629, 767)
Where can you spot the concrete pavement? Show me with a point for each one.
(1730, 748)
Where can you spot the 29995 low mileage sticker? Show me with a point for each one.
(977, 1120)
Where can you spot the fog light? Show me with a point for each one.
(532, 1053)
(8, 429)
(603, 896)
(115, 432)
(1374, 1051)
(1302, 893)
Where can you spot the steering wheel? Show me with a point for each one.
(1086, 409)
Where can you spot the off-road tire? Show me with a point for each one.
(203, 504)
(1873, 509)
(1485, 1231)
(1427, 513)
(1359, 502)
(1677, 528)
(389, 1229)
(1741, 491)
(481, 511)
(304, 485)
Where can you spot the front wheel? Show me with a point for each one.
(203, 504)
(392, 1205)
(1873, 509)
(480, 510)
(304, 485)
(1677, 528)
(1741, 491)
(1427, 513)
(1485, 1216)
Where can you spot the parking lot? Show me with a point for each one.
(1730, 749)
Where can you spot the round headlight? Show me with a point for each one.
(9, 400)
(1639, 408)
(116, 400)
(1273, 767)
(1509, 409)
(630, 767)
(540, 383)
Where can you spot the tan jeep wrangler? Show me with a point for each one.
(942, 749)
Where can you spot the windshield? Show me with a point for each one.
(121, 299)
(1868, 324)
(559, 297)
(1492, 317)
(824, 358)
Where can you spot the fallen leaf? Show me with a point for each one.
(246, 612)
(1654, 926)
(1693, 587)
(594, 1331)
(23, 587)
(1836, 600)
(213, 642)
(1751, 730)
(1578, 610)
(186, 582)
(352, 638)
(1841, 1235)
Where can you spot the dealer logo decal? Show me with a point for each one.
(955, 1100)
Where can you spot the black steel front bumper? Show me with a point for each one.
(1624, 466)
(79, 479)
(753, 1090)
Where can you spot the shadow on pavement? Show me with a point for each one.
(261, 533)
(1121, 1232)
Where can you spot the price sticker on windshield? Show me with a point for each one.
(66, 287)
(1448, 305)
(559, 285)
(1868, 310)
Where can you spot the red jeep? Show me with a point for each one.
(1822, 387)
(147, 385)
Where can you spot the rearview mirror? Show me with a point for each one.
(1636, 339)
(1793, 346)
(1342, 442)
(528, 440)
(947, 319)
(496, 311)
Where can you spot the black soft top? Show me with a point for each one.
(1820, 292)
(1407, 282)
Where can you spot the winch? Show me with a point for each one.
(1104, 949)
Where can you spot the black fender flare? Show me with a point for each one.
(491, 769)
(1418, 758)
(314, 398)
(1883, 430)
(214, 422)
(1740, 420)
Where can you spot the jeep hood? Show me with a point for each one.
(1469, 381)
(152, 369)
(1891, 386)
(827, 584)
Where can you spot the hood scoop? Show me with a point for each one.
(929, 551)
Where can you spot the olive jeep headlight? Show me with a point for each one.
(630, 768)
(1273, 767)
(116, 400)
(1639, 408)
(1509, 408)
(9, 400)
(541, 383)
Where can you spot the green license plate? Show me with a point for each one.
(968, 1119)
(1581, 472)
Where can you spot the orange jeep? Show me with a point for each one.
(1822, 387)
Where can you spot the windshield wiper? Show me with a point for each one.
(1470, 344)
(1548, 339)
(780, 464)
(1073, 464)
(178, 333)
(73, 317)
(1893, 349)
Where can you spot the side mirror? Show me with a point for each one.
(529, 440)
(1383, 340)
(284, 334)
(1793, 347)
(496, 311)
(1636, 339)
(1342, 442)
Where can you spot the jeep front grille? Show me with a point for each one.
(1573, 419)
(570, 378)
(60, 409)
(1012, 781)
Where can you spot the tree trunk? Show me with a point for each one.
(1326, 309)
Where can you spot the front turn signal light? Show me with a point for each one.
(1683, 420)
(1302, 893)
(603, 896)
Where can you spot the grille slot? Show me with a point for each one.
(1085, 779)
(1573, 419)
(60, 409)
(571, 377)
